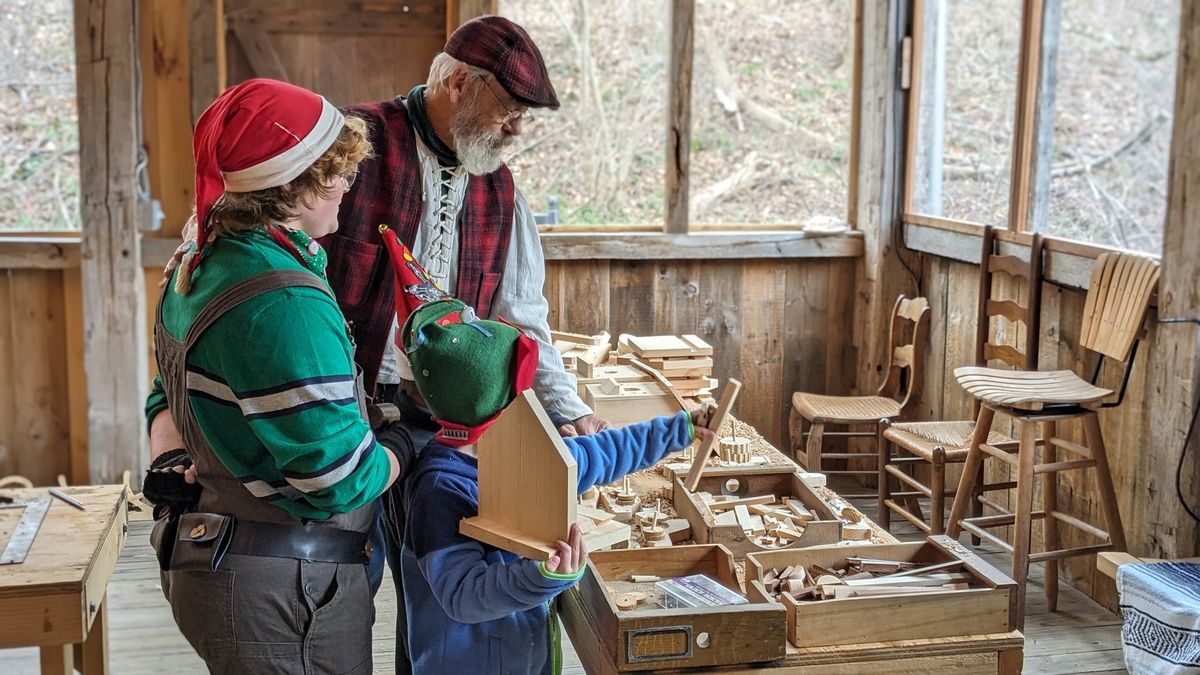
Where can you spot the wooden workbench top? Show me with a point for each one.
(65, 547)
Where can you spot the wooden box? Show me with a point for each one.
(986, 608)
(752, 482)
(609, 640)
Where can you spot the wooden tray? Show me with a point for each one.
(814, 623)
(609, 640)
(752, 482)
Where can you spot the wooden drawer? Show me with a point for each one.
(752, 482)
(609, 640)
(986, 608)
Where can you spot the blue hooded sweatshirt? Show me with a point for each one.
(473, 608)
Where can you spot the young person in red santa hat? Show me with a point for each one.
(265, 573)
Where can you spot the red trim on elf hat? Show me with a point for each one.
(259, 134)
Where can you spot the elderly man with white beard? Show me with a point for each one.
(439, 181)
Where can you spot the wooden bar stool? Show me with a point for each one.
(900, 386)
(1113, 314)
(938, 443)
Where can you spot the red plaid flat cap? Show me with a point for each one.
(504, 49)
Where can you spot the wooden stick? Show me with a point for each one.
(728, 397)
(657, 510)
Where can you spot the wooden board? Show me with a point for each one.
(665, 346)
(977, 611)
(528, 483)
(728, 398)
(610, 640)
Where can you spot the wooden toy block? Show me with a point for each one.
(528, 491)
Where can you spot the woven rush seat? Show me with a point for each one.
(865, 409)
(920, 438)
(1028, 390)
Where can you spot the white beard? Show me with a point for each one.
(480, 151)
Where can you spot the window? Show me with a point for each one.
(601, 157)
(772, 85)
(966, 94)
(39, 169)
(1113, 100)
(771, 111)
(1081, 92)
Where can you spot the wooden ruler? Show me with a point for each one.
(25, 531)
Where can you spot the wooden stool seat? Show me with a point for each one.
(844, 409)
(921, 438)
(1028, 390)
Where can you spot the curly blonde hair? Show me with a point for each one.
(241, 211)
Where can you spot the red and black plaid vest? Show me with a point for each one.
(388, 192)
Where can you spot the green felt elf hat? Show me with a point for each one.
(467, 369)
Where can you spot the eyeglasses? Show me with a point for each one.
(511, 115)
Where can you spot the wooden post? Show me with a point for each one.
(459, 12)
(879, 276)
(1025, 122)
(1166, 530)
(114, 293)
(679, 113)
(206, 52)
(1042, 133)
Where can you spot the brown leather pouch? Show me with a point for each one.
(201, 540)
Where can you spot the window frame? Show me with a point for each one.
(681, 19)
(1026, 163)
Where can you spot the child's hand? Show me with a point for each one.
(701, 417)
(569, 557)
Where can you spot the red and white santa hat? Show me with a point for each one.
(259, 134)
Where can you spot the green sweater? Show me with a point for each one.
(271, 384)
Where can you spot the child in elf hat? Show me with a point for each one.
(472, 607)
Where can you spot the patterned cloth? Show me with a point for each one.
(1161, 604)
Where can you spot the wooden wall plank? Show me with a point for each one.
(676, 297)
(72, 288)
(631, 307)
(40, 425)
(9, 452)
(761, 357)
(586, 298)
(720, 320)
(806, 332)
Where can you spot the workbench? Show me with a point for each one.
(55, 599)
(993, 653)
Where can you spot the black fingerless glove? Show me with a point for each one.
(394, 436)
(164, 486)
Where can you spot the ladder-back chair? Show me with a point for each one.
(1113, 316)
(900, 387)
(938, 443)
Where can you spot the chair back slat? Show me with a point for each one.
(1009, 310)
(906, 341)
(1025, 311)
(1117, 301)
(1009, 264)
(1005, 353)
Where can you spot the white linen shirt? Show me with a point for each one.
(519, 297)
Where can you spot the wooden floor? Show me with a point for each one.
(1081, 637)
